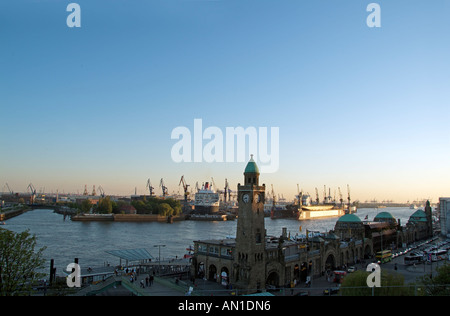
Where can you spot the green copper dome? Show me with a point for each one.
(349, 218)
(384, 215)
(252, 167)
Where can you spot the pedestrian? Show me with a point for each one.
(146, 281)
(142, 284)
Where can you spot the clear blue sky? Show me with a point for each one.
(96, 105)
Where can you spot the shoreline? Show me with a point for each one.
(127, 218)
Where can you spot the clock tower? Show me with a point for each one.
(249, 258)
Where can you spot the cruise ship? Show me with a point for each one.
(206, 200)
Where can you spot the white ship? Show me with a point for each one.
(312, 211)
(206, 200)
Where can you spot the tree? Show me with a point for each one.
(19, 262)
(392, 284)
(104, 206)
(439, 284)
(165, 209)
(86, 206)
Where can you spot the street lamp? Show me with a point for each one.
(159, 257)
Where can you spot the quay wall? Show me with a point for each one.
(139, 218)
(12, 213)
(125, 218)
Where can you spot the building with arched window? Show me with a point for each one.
(253, 261)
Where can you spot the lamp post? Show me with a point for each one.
(159, 257)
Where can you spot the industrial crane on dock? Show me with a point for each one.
(33, 192)
(300, 197)
(149, 186)
(186, 192)
(102, 192)
(273, 198)
(341, 200)
(226, 191)
(9, 189)
(164, 188)
(348, 197)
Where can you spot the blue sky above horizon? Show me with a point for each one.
(355, 105)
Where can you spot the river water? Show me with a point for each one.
(89, 241)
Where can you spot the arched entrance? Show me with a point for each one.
(330, 262)
(224, 276)
(273, 279)
(212, 273)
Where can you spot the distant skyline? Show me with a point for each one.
(96, 105)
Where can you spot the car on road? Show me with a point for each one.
(331, 290)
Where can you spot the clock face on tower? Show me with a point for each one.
(246, 198)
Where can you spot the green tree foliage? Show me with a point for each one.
(153, 205)
(19, 262)
(439, 284)
(104, 206)
(392, 284)
(86, 206)
(165, 209)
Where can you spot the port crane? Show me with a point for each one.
(164, 188)
(348, 196)
(341, 200)
(226, 191)
(300, 196)
(273, 198)
(186, 192)
(102, 192)
(9, 189)
(213, 184)
(149, 186)
(33, 192)
(197, 187)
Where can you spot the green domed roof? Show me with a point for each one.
(418, 216)
(252, 167)
(384, 215)
(349, 218)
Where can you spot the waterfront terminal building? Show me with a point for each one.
(253, 261)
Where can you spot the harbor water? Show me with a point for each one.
(89, 241)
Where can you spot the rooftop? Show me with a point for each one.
(251, 166)
(418, 216)
(349, 218)
(384, 215)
